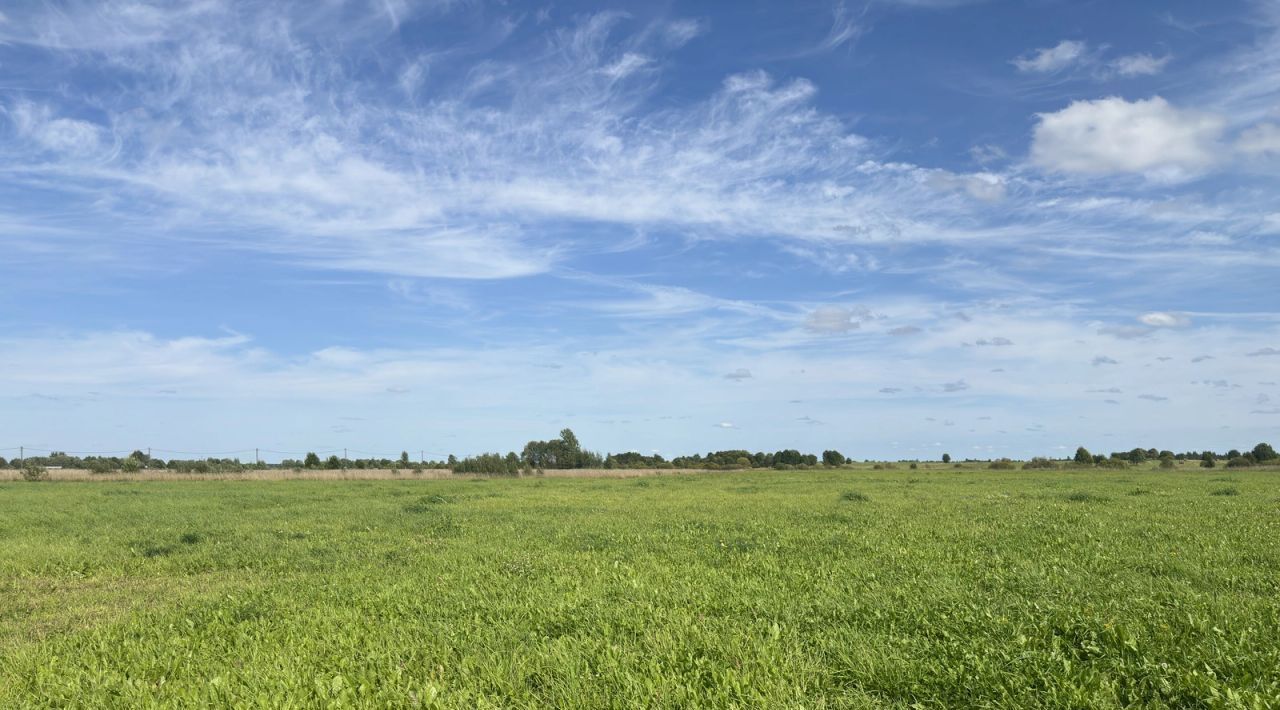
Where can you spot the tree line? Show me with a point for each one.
(566, 452)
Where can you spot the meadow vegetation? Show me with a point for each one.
(939, 586)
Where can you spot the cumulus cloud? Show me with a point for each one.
(1113, 136)
(1160, 319)
(836, 319)
(987, 187)
(1051, 59)
(38, 124)
(1260, 140)
(1140, 64)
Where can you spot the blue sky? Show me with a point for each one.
(895, 227)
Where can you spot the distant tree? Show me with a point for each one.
(1233, 454)
(140, 455)
(1240, 462)
(832, 457)
(1207, 461)
(1263, 453)
(453, 460)
(333, 463)
(404, 458)
(1083, 457)
(3, 463)
(1099, 459)
(311, 460)
(1167, 462)
(130, 465)
(946, 458)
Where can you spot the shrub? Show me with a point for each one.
(101, 466)
(130, 465)
(1113, 463)
(1002, 465)
(1239, 462)
(1039, 462)
(1167, 463)
(914, 466)
(32, 471)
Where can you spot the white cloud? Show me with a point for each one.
(1052, 59)
(836, 319)
(1160, 319)
(1260, 140)
(1112, 135)
(987, 187)
(1140, 64)
(62, 135)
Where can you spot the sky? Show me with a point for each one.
(895, 228)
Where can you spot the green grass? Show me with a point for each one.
(938, 588)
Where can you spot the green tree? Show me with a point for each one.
(1207, 460)
(333, 463)
(946, 458)
(312, 460)
(831, 457)
(1083, 457)
(404, 458)
(1263, 453)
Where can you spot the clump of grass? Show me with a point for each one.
(854, 497)
(191, 538)
(1227, 491)
(1084, 497)
(425, 503)
(1140, 492)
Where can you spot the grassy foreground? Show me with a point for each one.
(764, 589)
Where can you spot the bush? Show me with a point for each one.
(1113, 463)
(130, 465)
(101, 466)
(1239, 462)
(32, 471)
(1039, 462)
(1167, 463)
(1001, 465)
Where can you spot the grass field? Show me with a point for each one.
(940, 588)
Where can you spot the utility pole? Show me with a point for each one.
(148, 453)
(256, 460)
(344, 458)
(21, 450)
(422, 457)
